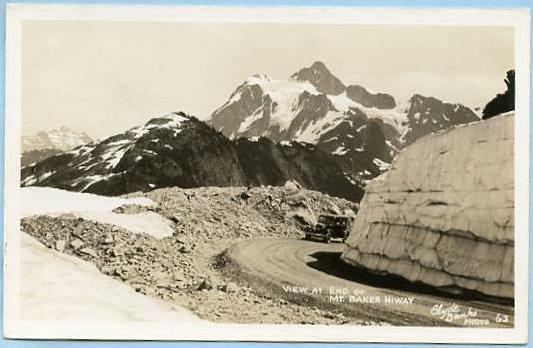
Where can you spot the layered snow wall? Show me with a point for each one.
(443, 215)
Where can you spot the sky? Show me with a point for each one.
(106, 77)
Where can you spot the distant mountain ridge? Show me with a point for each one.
(179, 150)
(62, 138)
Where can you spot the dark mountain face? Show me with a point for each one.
(32, 156)
(179, 150)
(362, 96)
(375, 141)
(303, 162)
(320, 77)
(243, 102)
(427, 115)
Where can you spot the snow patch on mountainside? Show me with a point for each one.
(285, 93)
(116, 150)
(312, 132)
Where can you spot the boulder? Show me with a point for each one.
(230, 287)
(303, 215)
(443, 215)
(76, 243)
(88, 251)
(60, 245)
(292, 185)
(209, 283)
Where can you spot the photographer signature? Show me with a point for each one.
(453, 312)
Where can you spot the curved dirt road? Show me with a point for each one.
(297, 270)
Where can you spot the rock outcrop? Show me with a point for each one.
(360, 95)
(427, 115)
(443, 215)
(320, 77)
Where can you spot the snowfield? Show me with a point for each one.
(147, 222)
(51, 201)
(56, 286)
(47, 200)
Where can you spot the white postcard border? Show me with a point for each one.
(16, 328)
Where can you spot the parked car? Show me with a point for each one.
(330, 226)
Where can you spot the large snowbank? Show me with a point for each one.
(443, 214)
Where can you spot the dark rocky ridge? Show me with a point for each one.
(320, 77)
(379, 100)
(503, 102)
(179, 150)
(427, 115)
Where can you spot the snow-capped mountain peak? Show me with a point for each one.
(314, 106)
(171, 121)
(297, 108)
(258, 78)
(62, 139)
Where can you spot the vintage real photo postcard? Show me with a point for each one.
(266, 174)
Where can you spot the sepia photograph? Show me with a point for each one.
(318, 174)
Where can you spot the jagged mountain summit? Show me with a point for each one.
(179, 150)
(358, 126)
(62, 139)
(321, 78)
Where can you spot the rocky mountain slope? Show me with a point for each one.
(446, 220)
(350, 122)
(179, 150)
(32, 156)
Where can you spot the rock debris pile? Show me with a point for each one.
(156, 267)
